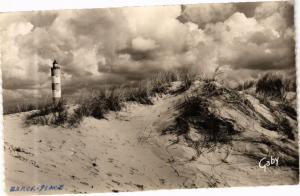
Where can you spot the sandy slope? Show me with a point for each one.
(122, 159)
(127, 152)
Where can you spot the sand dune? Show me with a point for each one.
(127, 152)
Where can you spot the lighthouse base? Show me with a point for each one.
(56, 100)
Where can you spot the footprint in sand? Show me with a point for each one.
(162, 181)
(133, 171)
(116, 182)
(62, 143)
(84, 183)
(140, 186)
(74, 177)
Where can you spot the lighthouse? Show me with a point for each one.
(56, 83)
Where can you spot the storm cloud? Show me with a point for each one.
(103, 46)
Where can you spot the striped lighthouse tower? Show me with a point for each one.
(56, 85)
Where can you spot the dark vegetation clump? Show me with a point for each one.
(105, 102)
(281, 125)
(138, 94)
(60, 113)
(160, 82)
(271, 85)
(290, 84)
(285, 126)
(288, 110)
(231, 96)
(210, 89)
(49, 114)
(97, 106)
(240, 103)
(24, 107)
(186, 76)
(78, 115)
(195, 113)
(280, 114)
(19, 108)
(246, 85)
(280, 111)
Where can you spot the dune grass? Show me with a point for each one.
(281, 125)
(49, 114)
(140, 94)
(24, 107)
(246, 85)
(110, 99)
(270, 85)
(286, 108)
(113, 99)
(21, 107)
(194, 113)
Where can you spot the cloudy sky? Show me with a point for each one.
(110, 46)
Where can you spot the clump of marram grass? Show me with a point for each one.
(288, 110)
(286, 128)
(186, 76)
(211, 89)
(78, 115)
(194, 113)
(281, 125)
(50, 114)
(270, 85)
(24, 107)
(246, 85)
(102, 103)
(20, 107)
(290, 84)
(231, 96)
(160, 82)
(140, 94)
(97, 106)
